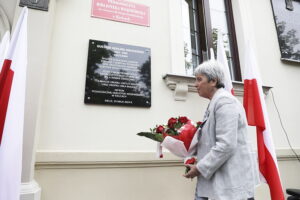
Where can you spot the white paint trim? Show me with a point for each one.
(30, 191)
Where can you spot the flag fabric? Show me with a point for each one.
(12, 100)
(221, 58)
(256, 112)
(4, 47)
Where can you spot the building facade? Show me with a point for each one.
(77, 150)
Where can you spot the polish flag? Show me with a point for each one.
(12, 100)
(256, 112)
(222, 58)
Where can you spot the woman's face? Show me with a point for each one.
(205, 89)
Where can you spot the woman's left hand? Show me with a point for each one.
(193, 172)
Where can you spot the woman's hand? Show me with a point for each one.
(193, 172)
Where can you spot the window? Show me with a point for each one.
(202, 19)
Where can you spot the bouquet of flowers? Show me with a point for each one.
(179, 136)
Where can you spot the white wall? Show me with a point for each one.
(65, 82)
(9, 6)
(282, 76)
(66, 122)
(120, 183)
(82, 148)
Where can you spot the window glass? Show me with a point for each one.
(191, 33)
(201, 21)
(219, 23)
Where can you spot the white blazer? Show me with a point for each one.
(227, 165)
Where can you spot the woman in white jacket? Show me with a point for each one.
(225, 166)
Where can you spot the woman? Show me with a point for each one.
(225, 167)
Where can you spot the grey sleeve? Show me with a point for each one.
(226, 116)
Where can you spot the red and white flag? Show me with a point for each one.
(12, 100)
(222, 58)
(256, 111)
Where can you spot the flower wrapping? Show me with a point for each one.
(179, 136)
(184, 144)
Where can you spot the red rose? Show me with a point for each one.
(190, 161)
(160, 129)
(198, 124)
(183, 120)
(172, 121)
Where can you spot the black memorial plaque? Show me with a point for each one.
(118, 74)
(287, 16)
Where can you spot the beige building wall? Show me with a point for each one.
(92, 151)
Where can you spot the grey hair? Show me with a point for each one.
(213, 71)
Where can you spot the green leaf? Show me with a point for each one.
(178, 125)
(172, 132)
(156, 137)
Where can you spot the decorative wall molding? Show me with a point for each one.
(107, 164)
(89, 160)
(182, 84)
(99, 160)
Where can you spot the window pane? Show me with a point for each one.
(190, 26)
(219, 23)
(218, 5)
(218, 15)
(227, 45)
(187, 35)
(230, 64)
(218, 20)
(195, 60)
(194, 20)
(197, 39)
(195, 43)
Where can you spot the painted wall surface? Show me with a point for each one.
(91, 151)
(9, 8)
(149, 183)
(282, 76)
(66, 122)
(127, 183)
